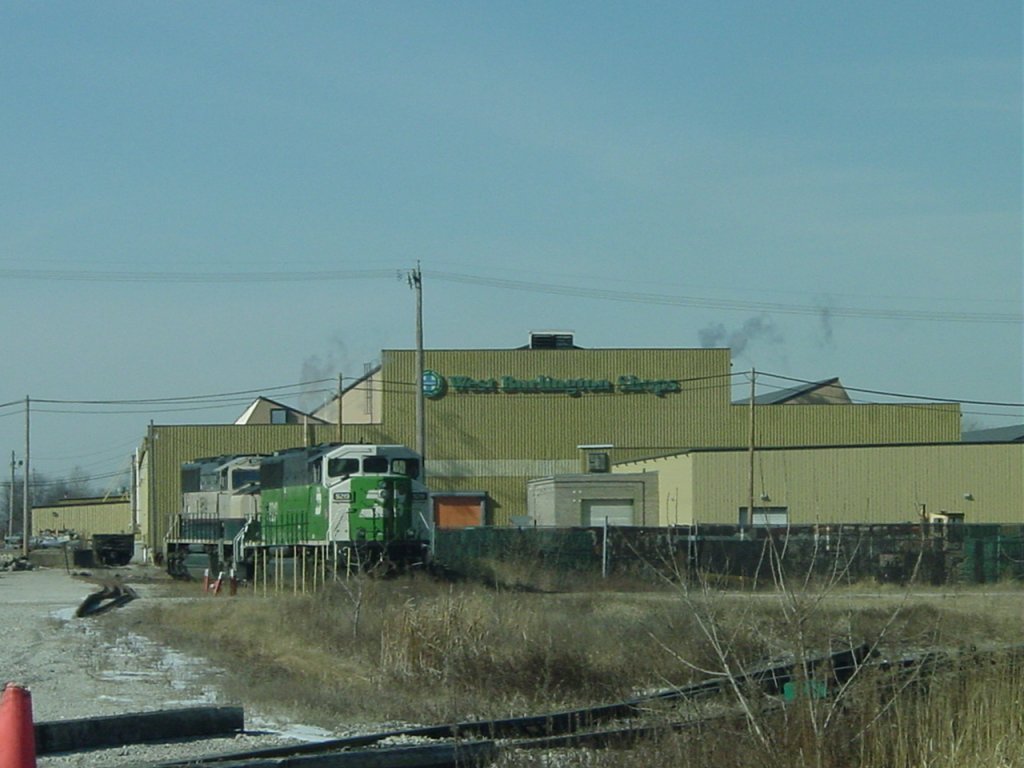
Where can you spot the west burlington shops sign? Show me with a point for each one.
(435, 385)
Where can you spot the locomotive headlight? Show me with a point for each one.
(360, 534)
(410, 533)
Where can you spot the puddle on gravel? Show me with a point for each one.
(135, 660)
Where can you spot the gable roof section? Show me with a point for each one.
(260, 408)
(330, 402)
(826, 392)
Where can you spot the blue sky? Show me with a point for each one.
(832, 189)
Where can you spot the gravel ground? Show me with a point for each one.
(72, 672)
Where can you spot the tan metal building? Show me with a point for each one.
(498, 418)
(84, 516)
(864, 484)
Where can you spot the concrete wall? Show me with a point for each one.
(561, 501)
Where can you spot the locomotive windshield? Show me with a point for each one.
(190, 479)
(406, 467)
(373, 465)
(342, 467)
(243, 477)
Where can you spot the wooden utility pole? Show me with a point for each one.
(10, 507)
(26, 498)
(750, 455)
(416, 281)
(341, 389)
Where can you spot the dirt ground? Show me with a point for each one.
(73, 672)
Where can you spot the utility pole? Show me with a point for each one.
(341, 389)
(151, 509)
(416, 282)
(26, 498)
(750, 452)
(10, 507)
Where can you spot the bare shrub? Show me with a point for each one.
(426, 651)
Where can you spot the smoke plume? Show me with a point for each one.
(753, 329)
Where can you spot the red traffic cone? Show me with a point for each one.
(17, 732)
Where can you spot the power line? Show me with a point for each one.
(214, 401)
(123, 276)
(955, 401)
(722, 304)
(291, 276)
(183, 398)
(42, 483)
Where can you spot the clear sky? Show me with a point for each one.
(830, 189)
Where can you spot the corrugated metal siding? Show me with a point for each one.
(550, 426)
(525, 436)
(859, 424)
(84, 519)
(502, 467)
(471, 430)
(879, 484)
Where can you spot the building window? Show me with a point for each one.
(278, 416)
(765, 517)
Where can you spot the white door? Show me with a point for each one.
(617, 511)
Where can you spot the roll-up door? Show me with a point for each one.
(459, 511)
(617, 511)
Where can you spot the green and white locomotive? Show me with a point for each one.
(350, 504)
(369, 500)
(219, 500)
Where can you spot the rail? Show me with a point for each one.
(605, 725)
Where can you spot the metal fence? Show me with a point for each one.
(922, 553)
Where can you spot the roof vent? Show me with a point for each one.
(551, 340)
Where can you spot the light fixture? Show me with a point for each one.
(765, 497)
(969, 496)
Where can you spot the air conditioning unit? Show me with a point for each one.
(597, 462)
(552, 340)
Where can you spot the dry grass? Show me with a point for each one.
(416, 650)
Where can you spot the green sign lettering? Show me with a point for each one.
(436, 385)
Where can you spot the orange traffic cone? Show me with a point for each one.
(17, 732)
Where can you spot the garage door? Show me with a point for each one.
(617, 511)
(458, 511)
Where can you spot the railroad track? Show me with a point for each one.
(478, 742)
(624, 722)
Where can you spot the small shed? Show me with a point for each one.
(592, 499)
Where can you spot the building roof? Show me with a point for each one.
(825, 392)
(1014, 434)
(368, 374)
(265, 402)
